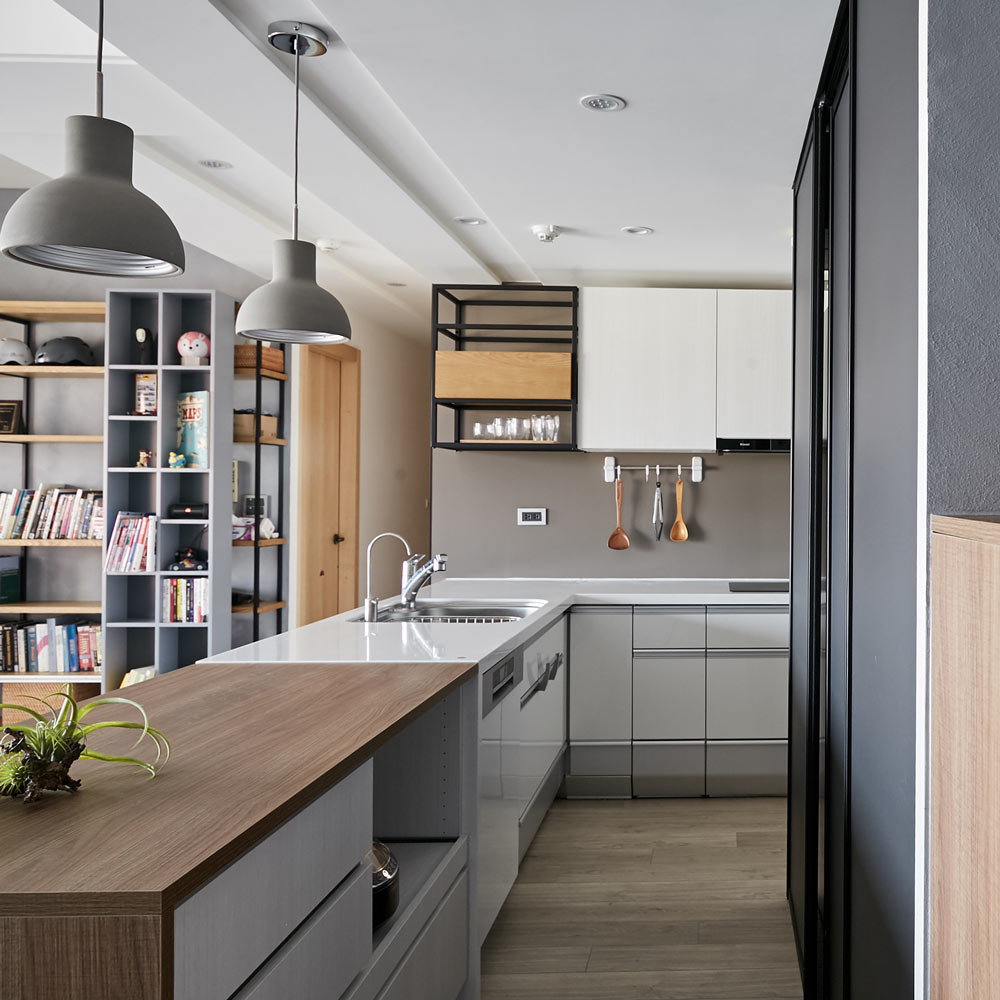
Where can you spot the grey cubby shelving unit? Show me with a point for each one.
(134, 633)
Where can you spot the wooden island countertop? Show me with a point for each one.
(249, 749)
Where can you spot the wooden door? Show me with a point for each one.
(327, 539)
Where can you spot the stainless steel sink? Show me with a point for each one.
(430, 611)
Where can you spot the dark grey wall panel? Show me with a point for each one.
(886, 529)
(737, 517)
(964, 248)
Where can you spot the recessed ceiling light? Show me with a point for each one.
(396, 284)
(215, 164)
(327, 245)
(637, 230)
(603, 102)
(470, 220)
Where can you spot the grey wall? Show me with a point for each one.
(964, 248)
(888, 529)
(737, 517)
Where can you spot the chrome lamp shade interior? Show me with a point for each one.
(291, 307)
(92, 220)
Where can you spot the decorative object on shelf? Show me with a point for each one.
(146, 459)
(291, 307)
(145, 394)
(192, 428)
(252, 506)
(184, 511)
(243, 423)
(189, 558)
(272, 359)
(92, 220)
(15, 352)
(194, 348)
(64, 351)
(243, 528)
(145, 341)
(36, 757)
(385, 882)
(10, 416)
(10, 581)
(176, 460)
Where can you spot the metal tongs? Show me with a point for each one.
(658, 511)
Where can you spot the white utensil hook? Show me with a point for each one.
(613, 471)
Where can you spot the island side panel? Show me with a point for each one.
(81, 956)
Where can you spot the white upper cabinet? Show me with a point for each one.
(647, 369)
(755, 363)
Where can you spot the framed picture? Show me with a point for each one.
(10, 416)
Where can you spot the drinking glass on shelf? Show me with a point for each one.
(510, 428)
(478, 432)
(550, 427)
(498, 428)
(555, 427)
(524, 429)
(537, 427)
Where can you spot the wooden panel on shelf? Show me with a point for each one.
(250, 373)
(264, 439)
(51, 438)
(53, 371)
(57, 543)
(964, 832)
(52, 312)
(264, 542)
(503, 375)
(51, 608)
(262, 608)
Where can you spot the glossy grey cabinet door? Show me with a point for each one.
(747, 694)
(668, 695)
(600, 686)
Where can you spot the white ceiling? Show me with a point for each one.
(421, 112)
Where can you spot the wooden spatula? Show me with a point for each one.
(678, 530)
(618, 538)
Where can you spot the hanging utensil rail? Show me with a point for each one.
(612, 470)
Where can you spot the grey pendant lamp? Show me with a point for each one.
(291, 307)
(92, 220)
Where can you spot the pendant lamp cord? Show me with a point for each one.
(100, 59)
(295, 157)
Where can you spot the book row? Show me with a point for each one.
(132, 546)
(52, 512)
(185, 599)
(50, 648)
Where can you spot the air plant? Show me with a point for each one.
(35, 757)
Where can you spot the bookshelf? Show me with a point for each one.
(58, 576)
(136, 632)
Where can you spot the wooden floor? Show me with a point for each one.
(676, 899)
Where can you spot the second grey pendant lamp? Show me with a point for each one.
(92, 220)
(291, 307)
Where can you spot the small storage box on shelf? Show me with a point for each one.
(503, 351)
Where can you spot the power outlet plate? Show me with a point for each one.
(532, 516)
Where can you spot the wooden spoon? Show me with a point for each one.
(678, 530)
(618, 539)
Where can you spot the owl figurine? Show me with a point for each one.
(194, 348)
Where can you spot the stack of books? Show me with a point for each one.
(52, 512)
(50, 648)
(132, 545)
(185, 599)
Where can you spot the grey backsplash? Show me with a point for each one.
(737, 517)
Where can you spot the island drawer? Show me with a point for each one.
(223, 930)
(658, 627)
(754, 626)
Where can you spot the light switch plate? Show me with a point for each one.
(532, 516)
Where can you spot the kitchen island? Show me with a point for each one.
(237, 871)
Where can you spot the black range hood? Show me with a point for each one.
(777, 445)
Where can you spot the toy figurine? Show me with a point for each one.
(176, 460)
(146, 343)
(194, 348)
(145, 459)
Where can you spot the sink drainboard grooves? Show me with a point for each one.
(464, 619)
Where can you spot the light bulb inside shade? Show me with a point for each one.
(91, 220)
(291, 308)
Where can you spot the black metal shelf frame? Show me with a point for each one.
(457, 332)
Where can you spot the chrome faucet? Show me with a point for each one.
(371, 603)
(414, 578)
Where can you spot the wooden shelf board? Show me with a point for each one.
(77, 677)
(51, 608)
(264, 542)
(51, 438)
(52, 371)
(264, 439)
(250, 373)
(52, 312)
(55, 543)
(503, 445)
(264, 606)
(516, 441)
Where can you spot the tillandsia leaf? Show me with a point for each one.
(23, 708)
(161, 742)
(94, 755)
(67, 714)
(112, 700)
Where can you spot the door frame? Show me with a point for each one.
(349, 471)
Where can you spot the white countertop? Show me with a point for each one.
(341, 640)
